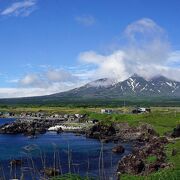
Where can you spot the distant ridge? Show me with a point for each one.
(135, 85)
(136, 90)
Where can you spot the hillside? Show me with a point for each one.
(135, 86)
(136, 90)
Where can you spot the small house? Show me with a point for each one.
(106, 111)
(141, 110)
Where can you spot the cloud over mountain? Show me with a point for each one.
(147, 51)
(47, 78)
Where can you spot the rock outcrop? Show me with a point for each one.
(99, 131)
(50, 172)
(137, 162)
(27, 127)
(176, 132)
(118, 149)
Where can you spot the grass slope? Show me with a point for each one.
(90, 102)
(163, 122)
(166, 174)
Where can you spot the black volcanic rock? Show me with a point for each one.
(118, 149)
(176, 132)
(137, 163)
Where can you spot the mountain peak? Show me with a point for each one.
(135, 85)
(135, 75)
(160, 78)
(103, 82)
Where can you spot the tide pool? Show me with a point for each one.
(66, 151)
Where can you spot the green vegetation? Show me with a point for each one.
(49, 109)
(162, 121)
(151, 159)
(167, 174)
(53, 101)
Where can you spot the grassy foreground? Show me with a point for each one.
(163, 122)
(166, 174)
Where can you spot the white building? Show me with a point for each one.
(106, 111)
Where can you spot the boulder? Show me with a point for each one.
(174, 152)
(118, 149)
(15, 162)
(105, 140)
(176, 132)
(59, 131)
(136, 162)
(131, 165)
(51, 172)
(99, 131)
(139, 166)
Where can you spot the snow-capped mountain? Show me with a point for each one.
(90, 90)
(133, 86)
(138, 86)
(104, 82)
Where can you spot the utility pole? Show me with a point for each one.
(124, 106)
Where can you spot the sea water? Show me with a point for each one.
(66, 151)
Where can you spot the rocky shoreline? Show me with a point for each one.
(148, 153)
(34, 127)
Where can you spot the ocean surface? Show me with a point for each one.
(66, 152)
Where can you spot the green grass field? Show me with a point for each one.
(162, 121)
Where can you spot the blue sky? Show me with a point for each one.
(49, 46)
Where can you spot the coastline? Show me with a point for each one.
(146, 141)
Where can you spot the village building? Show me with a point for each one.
(141, 110)
(106, 111)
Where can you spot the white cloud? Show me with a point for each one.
(86, 20)
(21, 8)
(13, 81)
(47, 78)
(147, 53)
(144, 27)
(28, 92)
(174, 58)
(147, 42)
(19, 92)
(44, 83)
(38, 91)
(59, 75)
(33, 80)
(111, 66)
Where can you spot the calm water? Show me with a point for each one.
(84, 153)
